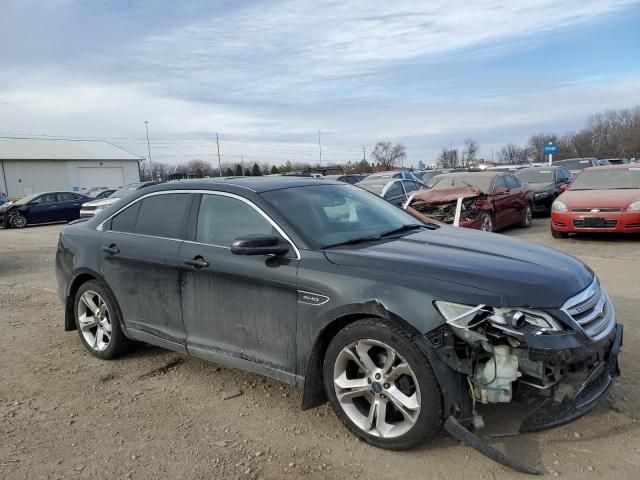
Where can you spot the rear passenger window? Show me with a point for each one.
(67, 197)
(223, 219)
(125, 221)
(163, 215)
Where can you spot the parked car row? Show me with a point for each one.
(52, 207)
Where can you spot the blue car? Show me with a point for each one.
(47, 207)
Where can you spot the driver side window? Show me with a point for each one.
(222, 219)
(46, 198)
(500, 183)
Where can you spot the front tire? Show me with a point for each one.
(381, 385)
(18, 220)
(98, 321)
(557, 234)
(487, 222)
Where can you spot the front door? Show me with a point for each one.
(44, 209)
(236, 305)
(139, 250)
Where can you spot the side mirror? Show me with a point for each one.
(564, 186)
(258, 244)
(501, 191)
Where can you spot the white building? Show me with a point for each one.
(30, 165)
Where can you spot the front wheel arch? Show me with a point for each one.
(314, 395)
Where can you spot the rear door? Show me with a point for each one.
(238, 305)
(69, 206)
(140, 247)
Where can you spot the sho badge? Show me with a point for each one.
(311, 298)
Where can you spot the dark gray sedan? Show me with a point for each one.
(399, 324)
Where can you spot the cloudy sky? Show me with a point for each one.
(268, 75)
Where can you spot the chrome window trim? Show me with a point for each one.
(101, 226)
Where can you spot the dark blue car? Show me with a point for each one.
(42, 208)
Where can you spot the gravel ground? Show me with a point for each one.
(156, 414)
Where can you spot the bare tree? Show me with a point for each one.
(448, 158)
(536, 143)
(471, 149)
(388, 155)
(200, 168)
(512, 154)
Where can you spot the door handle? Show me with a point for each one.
(197, 262)
(111, 249)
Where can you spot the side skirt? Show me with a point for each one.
(246, 365)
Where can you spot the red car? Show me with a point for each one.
(600, 199)
(491, 200)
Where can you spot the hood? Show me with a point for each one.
(541, 187)
(599, 198)
(446, 195)
(103, 202)
(523, 274)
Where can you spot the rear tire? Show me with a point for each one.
(527, 216)
(98, 321)
(557, 234)
(381, 385)
(18, 220)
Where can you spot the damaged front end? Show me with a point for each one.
(565, 358)
(442, 205)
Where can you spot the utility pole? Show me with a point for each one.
(242, 161)
(320, 148)
(146, 126)
(219, 163)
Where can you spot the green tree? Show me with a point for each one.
(247, 172)
(229, 172)
(274, 170)
(255, 170)
(238, 170)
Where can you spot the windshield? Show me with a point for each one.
(481, 182)
(575, 164)
(330, 214)
(27, 199)
(535, 176)
(607, 179)
(124, 191)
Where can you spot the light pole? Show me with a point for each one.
(146, 126)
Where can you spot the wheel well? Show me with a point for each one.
(314, 394)
(69, 314)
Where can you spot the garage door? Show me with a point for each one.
(100, 177)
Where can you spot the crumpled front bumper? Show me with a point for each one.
(585, 391)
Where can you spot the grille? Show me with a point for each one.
(599, 210)
(89, 208)
(592, 310)
(633, 225)
(607, 224)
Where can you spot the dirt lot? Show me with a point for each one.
(155, 414)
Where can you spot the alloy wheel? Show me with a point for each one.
(19, 221)
(94, 320)
(528, 215)
(487, 224)
(376, 388)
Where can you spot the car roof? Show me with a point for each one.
(547, 167)
(607, 168)
(255, 184)
(493, 173)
